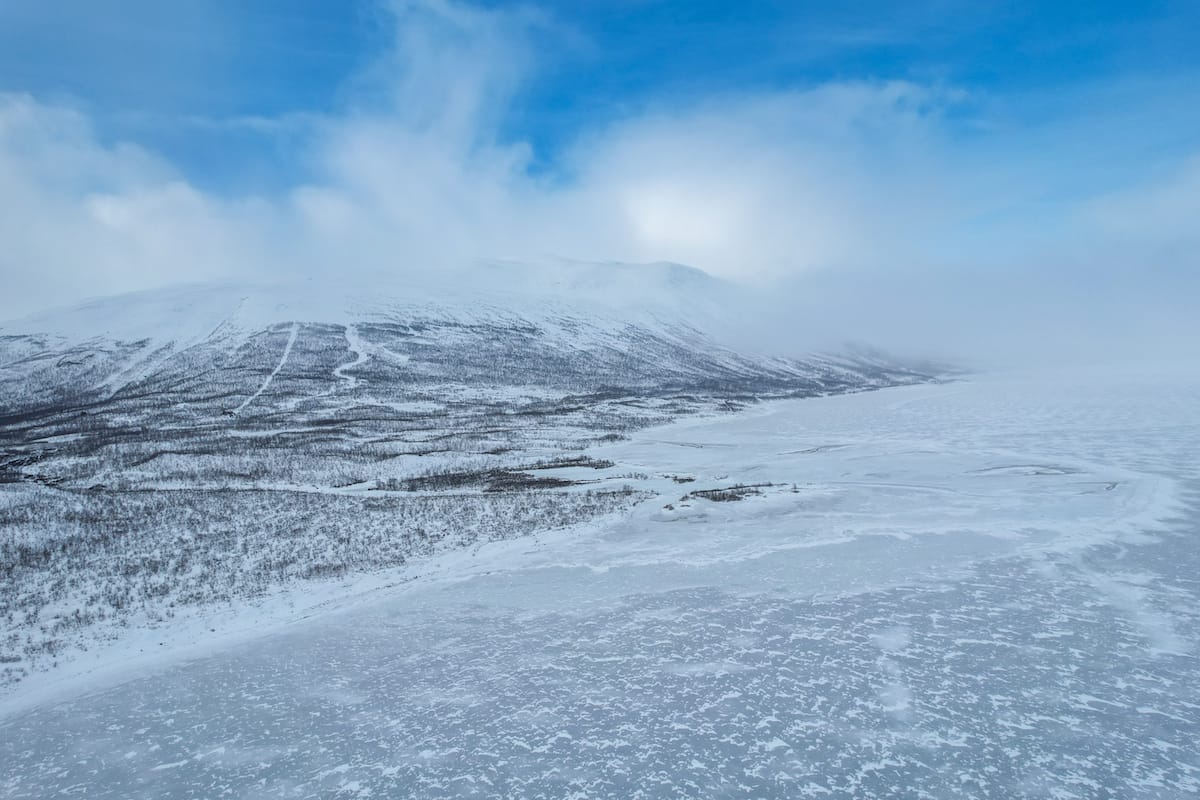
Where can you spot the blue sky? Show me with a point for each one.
(927, 147)
(178, 77)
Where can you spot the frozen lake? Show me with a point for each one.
(985, 589)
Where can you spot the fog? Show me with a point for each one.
(916, 217)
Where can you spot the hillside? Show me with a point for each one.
(183, 447)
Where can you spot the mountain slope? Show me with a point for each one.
(179, 447)
(91, 394)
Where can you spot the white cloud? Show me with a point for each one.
(82, 218)
(774, 184)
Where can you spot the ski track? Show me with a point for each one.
(359, 348)
(287, 351)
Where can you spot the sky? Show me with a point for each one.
(945, 176)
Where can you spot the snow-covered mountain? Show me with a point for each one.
(174, 447)
(176, 372)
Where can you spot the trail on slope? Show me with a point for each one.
(358, 348)
(287, 351)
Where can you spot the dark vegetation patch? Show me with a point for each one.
(729, 493)
(502, 479)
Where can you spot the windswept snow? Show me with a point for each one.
(985, 589)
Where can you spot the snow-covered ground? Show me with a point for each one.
(985, 588)
(169, 452)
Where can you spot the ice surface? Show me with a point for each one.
(981, 589)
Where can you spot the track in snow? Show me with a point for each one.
(287, 351)
(359, 348)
